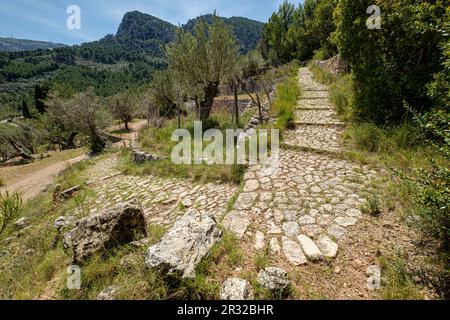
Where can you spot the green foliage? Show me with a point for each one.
(248, 32)
(433, 197)
(125, 107)
(398, 283)
(296, 33)
(203, 61)
(285, 103)
(11, 207)
(394, 64)
(340, 91)
(18, 139)
(84, 114)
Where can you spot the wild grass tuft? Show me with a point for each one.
(11, 207)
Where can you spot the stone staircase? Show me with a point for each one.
(302, 207)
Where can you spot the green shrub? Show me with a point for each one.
(11, 206)
(433, 197)
(285, 102)
(386, 75)
(340, 90)
(368, 137)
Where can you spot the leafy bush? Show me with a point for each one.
(285, 103)
(394, 64)
(11, 206)
(434, 200)
(368, 137)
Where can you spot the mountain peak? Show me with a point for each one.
(143, 26)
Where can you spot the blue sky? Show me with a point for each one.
(46, 19)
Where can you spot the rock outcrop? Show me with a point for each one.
(274, 279)
(103, 231)
(335, 65)
(236, 289)
(140, 156)
(185, 245)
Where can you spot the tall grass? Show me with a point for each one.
(11, 207)
(287, 95)
(340, 90)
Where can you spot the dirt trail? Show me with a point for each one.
(30, 185)
(33, 183)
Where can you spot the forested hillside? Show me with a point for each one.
(13, 44)
(111, 65)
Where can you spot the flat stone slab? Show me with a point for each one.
(274, 279)
(236, 222)
(327, 246)
(259, 241)
(236, 289)
(336, 231)
(311, 250)
(291, 229)
(346, 221)
(293, 252)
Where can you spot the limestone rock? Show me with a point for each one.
(108, 294)
(236, 289)
(274, 279)
(185, 245)
(274, 246)
(105, 230)
(63, 222)
(306, 220)
(310, 248)
(346, 221)
(259, 241)
(21, 223)
(293, 252)
(336, 231)
(291, 229)
(237, 222)
(327, 246)
(251, 185)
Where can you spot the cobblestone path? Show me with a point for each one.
(163, 199)
(301, 208)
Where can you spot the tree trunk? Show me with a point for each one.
(258, 100)
(98, 143)
(70, 143)
(126, 125)
(20, 151)
(206, 105)
(236, 103)
(197, 106)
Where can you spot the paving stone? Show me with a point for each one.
(275, 247)
(259, 241)
(327, 246)
(346, 221)
(237, 222)
(293, 252)
(306, 220)
(310, 249)
(291, 229)
(336, 231)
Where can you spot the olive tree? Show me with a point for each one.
(84, 114)
(203, 60)
(124, 108)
